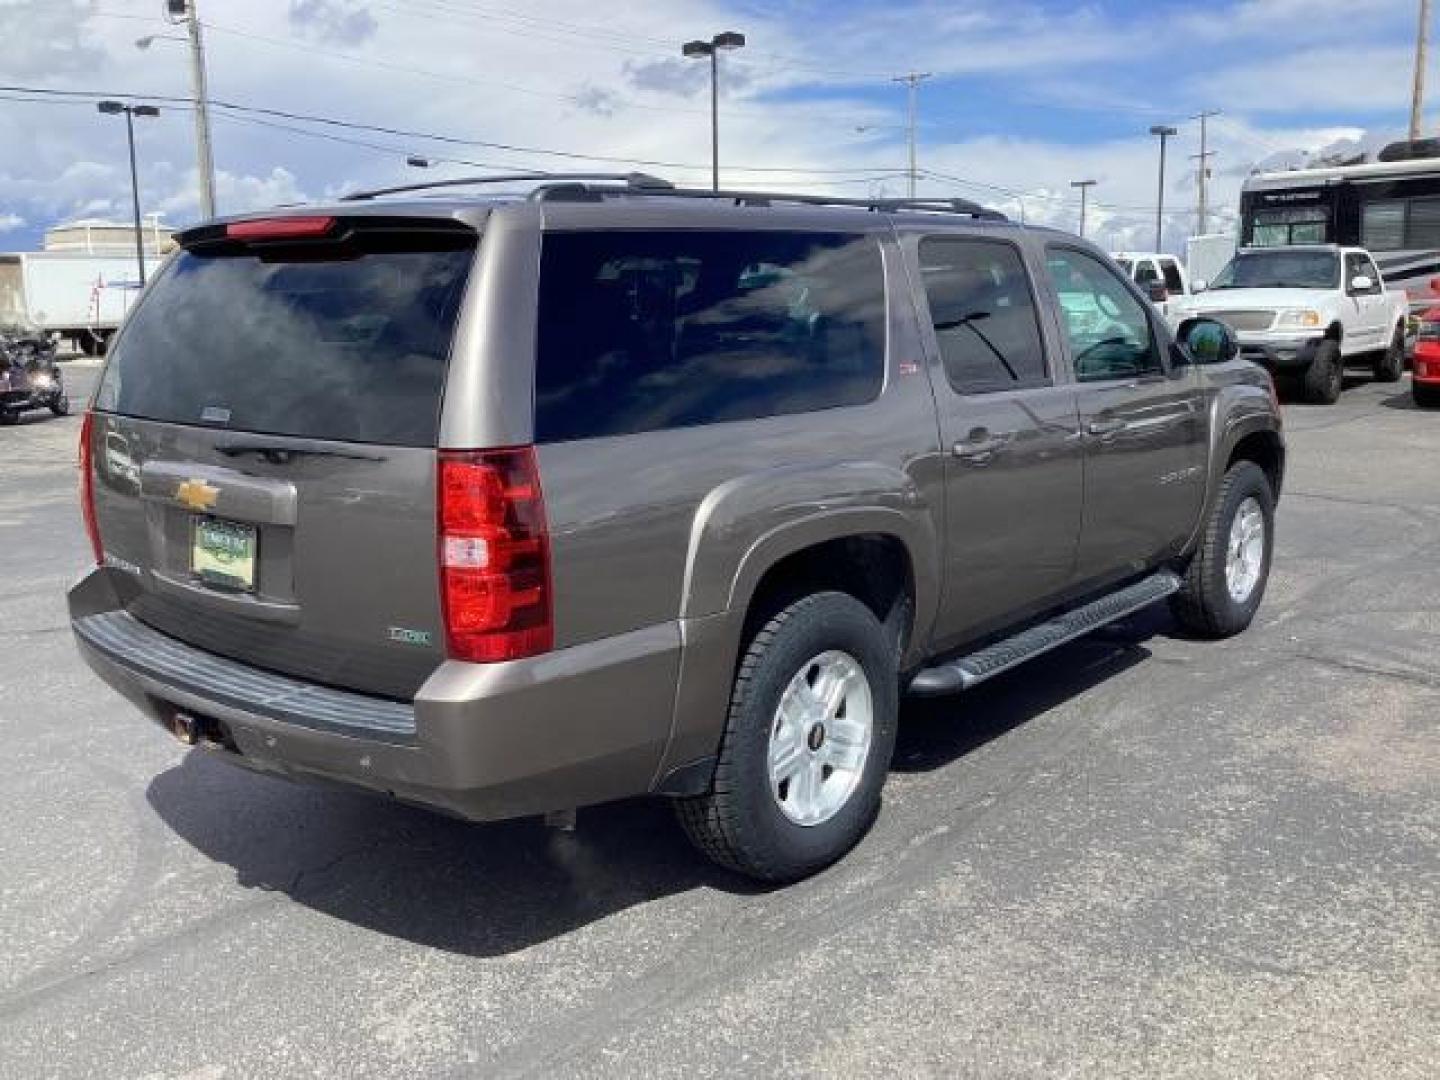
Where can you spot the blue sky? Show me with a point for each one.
(1023, 97)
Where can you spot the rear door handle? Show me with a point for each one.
(1104, 428)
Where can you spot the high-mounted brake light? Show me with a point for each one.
(494, 555)
(87, 488)
(285, 228)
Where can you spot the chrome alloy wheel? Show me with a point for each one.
(820, 738)
(1245, 552)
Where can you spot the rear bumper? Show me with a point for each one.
(1427, 364)
(481, 741)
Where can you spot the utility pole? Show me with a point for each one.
(178, 11)
(1202, 176)
(1164, 131)
(912, 81)
(205, 158)
(1083, 185)
(1417, 95)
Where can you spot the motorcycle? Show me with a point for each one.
(29, 377)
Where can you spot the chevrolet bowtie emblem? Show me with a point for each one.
(196, 494)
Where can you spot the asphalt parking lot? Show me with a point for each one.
(1142, 855)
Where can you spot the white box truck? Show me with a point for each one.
(1206, 255)
(79, 296)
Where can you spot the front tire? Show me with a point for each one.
(1324, 377)
(807, 743)
(1391, 365)
(1225, 581)
(60, 404)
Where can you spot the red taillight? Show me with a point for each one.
(494, 555)
(286, 228)
(87, 488)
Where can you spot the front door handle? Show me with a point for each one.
(980, 451)
(1106, 428)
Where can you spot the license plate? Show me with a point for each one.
(223, 553)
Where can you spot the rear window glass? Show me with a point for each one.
(352, 349)
(646, 330)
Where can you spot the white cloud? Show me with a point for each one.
(40, 38)
(10, 222)
(612, 83)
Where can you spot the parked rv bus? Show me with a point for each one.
(1389, 205)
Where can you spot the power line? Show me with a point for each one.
(285, 114)
(1044, 196)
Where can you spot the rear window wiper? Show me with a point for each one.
(281, 455)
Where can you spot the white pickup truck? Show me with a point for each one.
(1308, 311)
(1161, 277)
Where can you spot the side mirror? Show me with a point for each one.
(1207, 341)
(1361, 283)
(1199, 285)
(1157, 292)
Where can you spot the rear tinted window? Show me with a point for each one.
(983, 313)
(647, 330)
(352, 349)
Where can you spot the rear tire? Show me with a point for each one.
(1391, 364)
(1321, 383)
(8, 417)
(60, 406)
(786, 829)
(1426, 396)
(1225, 581)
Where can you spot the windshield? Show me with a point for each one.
(1280, 270)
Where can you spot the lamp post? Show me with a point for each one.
(1163, 131)
(1084, 186)
(112, 108)
(712, 48)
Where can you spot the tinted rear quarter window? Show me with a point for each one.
(647, 330)
(350, 348)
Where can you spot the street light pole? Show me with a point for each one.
(111, 108)
(712, 48)
(1164, 131)
(1084, 186)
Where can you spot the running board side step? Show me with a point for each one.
(966, 671)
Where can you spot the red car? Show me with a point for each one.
(1425, 382)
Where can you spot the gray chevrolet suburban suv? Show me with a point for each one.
(507, 506)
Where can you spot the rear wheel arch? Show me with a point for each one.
(876, 568)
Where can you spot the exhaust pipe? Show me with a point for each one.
(185, 728)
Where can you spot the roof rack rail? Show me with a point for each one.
(637, 181)
(965, 207)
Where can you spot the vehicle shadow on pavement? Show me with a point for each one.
(1404, 402)
(478, 890)
(495, 889)
(936, 731)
